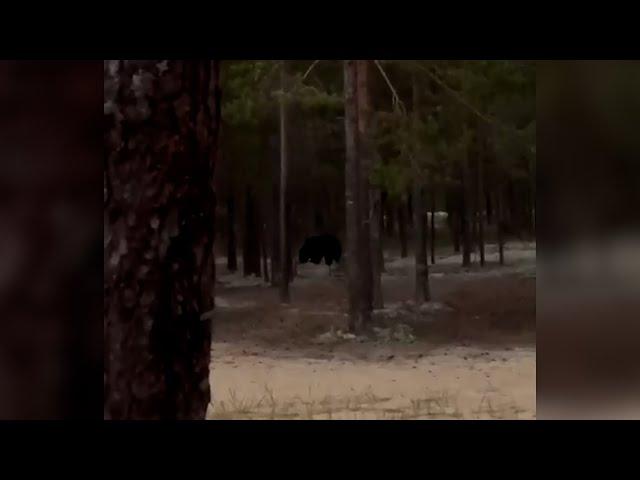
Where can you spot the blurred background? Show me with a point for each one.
(588, 284)
(50, 246)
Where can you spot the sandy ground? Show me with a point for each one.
(469, 354)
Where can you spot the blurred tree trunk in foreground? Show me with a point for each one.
(161, 143)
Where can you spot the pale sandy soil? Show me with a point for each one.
(472, 355)
(496, 384)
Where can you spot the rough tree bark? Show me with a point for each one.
(160, 143)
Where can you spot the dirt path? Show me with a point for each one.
(471, 354)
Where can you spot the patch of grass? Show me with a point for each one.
(500, 410)
(438, 405)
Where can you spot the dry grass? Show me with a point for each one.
(365, 405)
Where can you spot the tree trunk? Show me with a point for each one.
(287, 246)
(381, 210)
(489, 206)
(433, 225)
(251, 240)
(284, 238)
(354, 274)
(532, 199)
(456, 231)
(357, 200)
(501, 221)
(364, 157)
(370, 241)
(275, 223)
(263, 244)
(376, 249)
(464, 215)
(158, 239)
(389, 225)
(402, 230)
(410, 205)
(422, 291)
(232, 258)
(453, 220)
(480, 213)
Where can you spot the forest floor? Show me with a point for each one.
(468, 354)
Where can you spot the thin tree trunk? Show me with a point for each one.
(376, 249)
(365, 161)
(390, 214)
(381, 210)
(511, 213)
(275, 223)
(456, 230)
(251, 242)
(402, 230)
(532, 199)
(464, 215)
(479, 203)
(157, 272)
(232, 257)
(489, 206)
(433, 225)
(499, 201)
(288, 257)
(422, 291)
(354, 274)
(284, 240)
(369, 197)
(473, 205)
(453, 220)
(263, 243)
(410, 208)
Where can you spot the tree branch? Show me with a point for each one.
(457, 95)
(309, 69)
(396, 99)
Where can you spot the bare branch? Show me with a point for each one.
(396, 98)
(309, 69)
(457, 95)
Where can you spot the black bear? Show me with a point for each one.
(318, 247)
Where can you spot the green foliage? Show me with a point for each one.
(459, 97)
(462, 101)
(246, 100)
